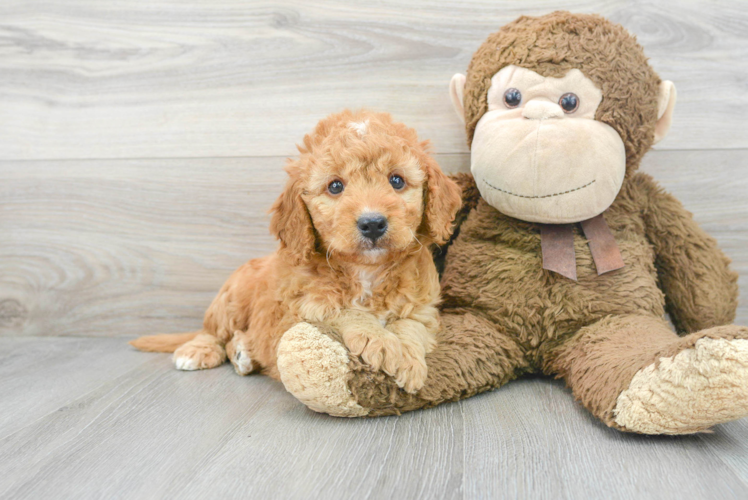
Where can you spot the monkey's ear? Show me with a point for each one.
(456, 93)
(291, 222)
(665, 107)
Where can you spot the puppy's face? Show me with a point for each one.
(367, 202)
(364, 190)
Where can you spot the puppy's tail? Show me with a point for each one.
(164, 342)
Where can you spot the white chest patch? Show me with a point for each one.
(367, 283)
(368, 280)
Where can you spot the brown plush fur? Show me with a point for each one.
(504, 315)
(601, 359)
(382, 298)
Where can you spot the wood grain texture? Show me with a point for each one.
(78, 235)
(189, 78)
(126, 247)
(38, 376)
(145, 430)
(533, 432)
(141, 144)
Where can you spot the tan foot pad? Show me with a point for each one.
(689, 392)
(314, 368)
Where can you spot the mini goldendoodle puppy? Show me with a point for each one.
(362, 207)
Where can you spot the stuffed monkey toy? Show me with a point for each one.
(567, 258)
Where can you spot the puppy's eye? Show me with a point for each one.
(512, 98)
(569, 102)
(397, 182)
(335, 187)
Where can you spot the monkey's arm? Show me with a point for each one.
(700, 289)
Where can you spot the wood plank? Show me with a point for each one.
(188, 78)
(156, 432)
(119, 248)
(530, 439)
(39, 376)
(82, 452)
(729, 443)
(78, 237)
(153, 432)
(418, 455)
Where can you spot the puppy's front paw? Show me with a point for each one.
(242, 362)
(379, 349)
(412, 372)
(200, 353)
(239, 355)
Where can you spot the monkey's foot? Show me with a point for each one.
(689, 392)
(314, 368)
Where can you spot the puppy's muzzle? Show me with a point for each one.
(372, 226)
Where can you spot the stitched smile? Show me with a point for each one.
(536, 197)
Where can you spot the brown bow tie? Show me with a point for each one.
(557, 244)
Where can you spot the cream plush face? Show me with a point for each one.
(536, 161)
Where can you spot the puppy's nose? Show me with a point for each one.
(372, 226)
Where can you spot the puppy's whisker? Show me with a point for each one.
(416, 238)
(327, 258)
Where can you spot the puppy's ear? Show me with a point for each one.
(443, 200)
(291, 222)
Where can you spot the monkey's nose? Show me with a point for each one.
(542, 110)
(372, 226)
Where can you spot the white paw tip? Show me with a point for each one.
(243, 362)
(185, 363)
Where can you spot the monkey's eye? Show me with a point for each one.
(569, 102)
(397, 182)
(512, 98)
(335, 187)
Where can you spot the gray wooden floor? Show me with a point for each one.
(90, 418)
(141, 143)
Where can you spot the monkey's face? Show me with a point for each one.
(539, 155)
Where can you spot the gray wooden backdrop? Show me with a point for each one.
(141, 143)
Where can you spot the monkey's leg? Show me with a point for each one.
(471, 356)
(635, 374)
